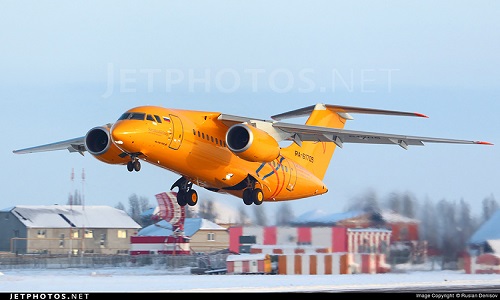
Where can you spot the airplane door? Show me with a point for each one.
(177, 132)
(292, 171)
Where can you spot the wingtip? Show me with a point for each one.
(484, 143)
(421, 115)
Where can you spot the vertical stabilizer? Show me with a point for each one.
(315, 155)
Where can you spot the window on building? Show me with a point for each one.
(89, 233)
(211, 236)
(102, 242)
(404, 234)
(61, 240)
(122, 234)
(41, 234)
(75, 233)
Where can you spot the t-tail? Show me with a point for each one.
(316, 155)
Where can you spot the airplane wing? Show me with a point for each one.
(299, 133)
(230, 120)
(340, 136)
(72, 145)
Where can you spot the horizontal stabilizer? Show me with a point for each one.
(342, 110)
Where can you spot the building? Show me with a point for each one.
(204, 236)
(487, 235)
(484, 248)
(405, 244)
(65, 229)
(307, 239)
(403, 229)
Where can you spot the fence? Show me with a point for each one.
(205, 261)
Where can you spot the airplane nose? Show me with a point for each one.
(122, 134)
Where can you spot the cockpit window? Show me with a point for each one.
(158, 119)
(137, 116)
(150, 118)
(132, 116)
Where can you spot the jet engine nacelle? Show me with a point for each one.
(252, 144)
(98, 143)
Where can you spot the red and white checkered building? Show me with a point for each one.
(335, 239)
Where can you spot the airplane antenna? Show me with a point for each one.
(72, 178)
(83, 188)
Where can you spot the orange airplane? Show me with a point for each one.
(231, 154)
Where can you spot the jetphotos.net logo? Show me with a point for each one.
(229, 80)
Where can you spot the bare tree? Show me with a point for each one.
(429, 224)
(393, 202)
(490, 206)
(243, 218)
(120, 206)
(75, 199)
(409, 203)
(144, 204)
(134, 208)
(284, 215)
(366, 202)
(207, 210)
(260, 215)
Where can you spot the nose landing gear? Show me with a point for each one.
(134, 164)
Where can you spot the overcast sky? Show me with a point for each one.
(70, 66)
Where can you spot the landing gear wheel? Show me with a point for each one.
(136, 165)
(185, 195)
(247, 197)
(191, 197)
(257, 196)
(130, 166)
(181, 198)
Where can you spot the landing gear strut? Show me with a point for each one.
(186, 194)
(251, 194)
(134, 164)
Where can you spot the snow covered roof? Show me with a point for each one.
(65, 216)
(191, 226)
(487, 231)
(318, 216)
(494, 245)
(392, 217)
(247, 256)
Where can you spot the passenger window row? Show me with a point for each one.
(209, 138)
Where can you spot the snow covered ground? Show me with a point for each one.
(151, 279)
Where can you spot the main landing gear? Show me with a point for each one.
(186, 194)
(252, 195)
(134, 164)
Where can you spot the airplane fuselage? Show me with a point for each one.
(192, 144)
